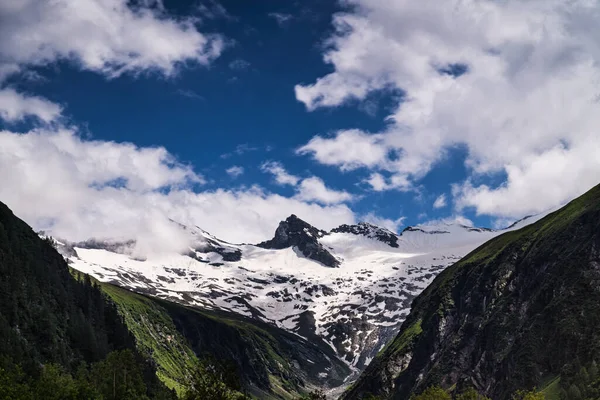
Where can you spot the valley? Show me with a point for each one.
(353, 306)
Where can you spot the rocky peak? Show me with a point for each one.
(419, 229)
(370, 231)
(294, 232)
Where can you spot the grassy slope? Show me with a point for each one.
(156, 335)
(172, 335)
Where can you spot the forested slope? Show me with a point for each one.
(52, 325)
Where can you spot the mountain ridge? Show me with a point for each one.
(354, 308)
(487, 320)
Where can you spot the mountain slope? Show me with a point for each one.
(46, 316)
(271, 363)
(519, 311)
(349, 288)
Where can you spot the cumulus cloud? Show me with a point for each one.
(314, 189)
(311, 189)
(235, 171)
(440, 202)
(282, 177)
(380, 183)
(108, 36)
(350, 149)
(79, 189)
(515, 83)
(16, 106)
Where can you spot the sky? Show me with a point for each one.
(118, 117)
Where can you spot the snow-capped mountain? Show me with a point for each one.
(351, 287)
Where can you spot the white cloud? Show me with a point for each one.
(526, 107)
(280, 18)
(311, 189)
(391, 224)
(16, 106)
(452, 220)
(282, 177)
(108, 36)
(80, 189)
(380, 183)
(350, 149)
(235, 171)
(314, 189)
(440, 202)
(538, 182)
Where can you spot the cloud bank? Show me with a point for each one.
(80, 189)
(514, 83)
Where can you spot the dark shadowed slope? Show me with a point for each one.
(520, 311)
(46, 316)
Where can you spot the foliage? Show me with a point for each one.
(52, 323)
(119, 376)
(213, 380)
(528, 395)
(580, 383)
(316, 394)
(471, 394)
(433, 393)
(156, 336)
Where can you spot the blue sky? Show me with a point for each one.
(440, 117)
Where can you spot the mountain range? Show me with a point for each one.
(349, 289)
(359, 310)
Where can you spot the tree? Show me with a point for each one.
(471, 394)
(213, 380)
(14, 385)
(433, 393)
(55, 383)
(316, 394)
(593, 371)
(528, 395)
(574, 393)
(119, 377)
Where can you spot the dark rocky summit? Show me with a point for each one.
(294, 232)
(370, 231)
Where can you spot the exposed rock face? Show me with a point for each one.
(228, 253)
(293, 232)
(415, 229)
(370, 231)
(516, 313)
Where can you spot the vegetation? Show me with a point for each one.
(214, 380)
(437, 393)
(52, 324)
(579, 382)
(315, 395)
(119, 376)
(156, 336)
